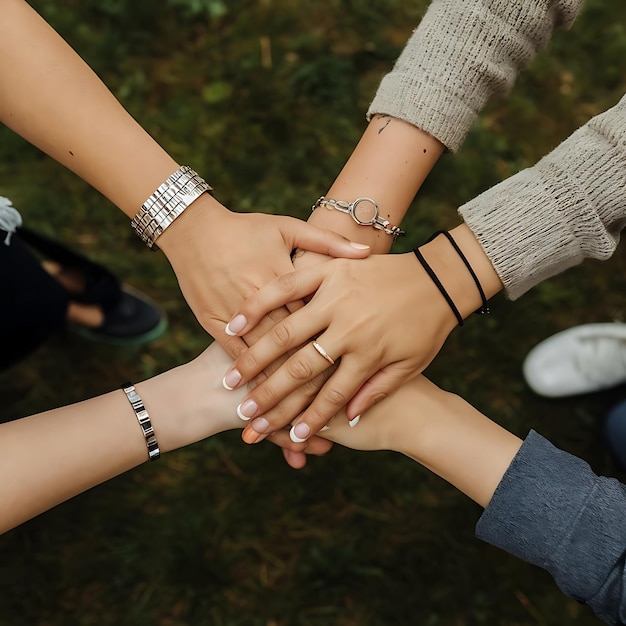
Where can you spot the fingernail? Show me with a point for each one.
(231, 380)
(299, 432)
(247, 409)
(354, 421)
(260, 425)
(323, 428)
(236, 325)
(358, 246)
(251, 436)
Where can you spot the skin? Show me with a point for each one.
(381, 347)
(51, 456)
(120, 159)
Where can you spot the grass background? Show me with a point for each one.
(266, 99)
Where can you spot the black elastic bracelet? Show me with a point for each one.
(433, 276)
(484, 308)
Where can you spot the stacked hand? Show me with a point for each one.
(376, 347)
(221, 257)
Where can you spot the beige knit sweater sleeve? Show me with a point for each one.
(462, 52)
(571, 205)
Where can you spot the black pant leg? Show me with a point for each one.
(33, 305)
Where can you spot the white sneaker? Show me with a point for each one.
(578, 360)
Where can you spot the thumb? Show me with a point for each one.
(309, 237)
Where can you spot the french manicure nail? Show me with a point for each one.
(323, 428)
(358, 246)
(231, 380)
(260, 425)
(299, 432)
(236, 325)
(354, 421)
(247, 409)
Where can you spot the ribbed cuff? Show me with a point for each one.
(568, 207)
(462, 53)
(431, 109)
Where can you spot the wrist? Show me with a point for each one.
(205, 213)
(450, 269)
(452, 439)
(189, 403)
(388, 165)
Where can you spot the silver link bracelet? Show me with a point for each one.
(144, 420)
(167, 203)
(364, 211)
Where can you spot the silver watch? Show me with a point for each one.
(364, 211)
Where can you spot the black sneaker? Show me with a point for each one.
(130, 317)
(134, 320)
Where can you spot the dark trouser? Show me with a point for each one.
(33, 305)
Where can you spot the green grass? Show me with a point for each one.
(226, 534)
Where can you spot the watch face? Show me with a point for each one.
(364, 211)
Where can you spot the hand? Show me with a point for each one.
(221, 257)
(383, 316)
(399, 423)
(441, 431)
(193, 405)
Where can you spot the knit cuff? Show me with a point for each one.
(568, 207)
(461, 54)
(432, 110)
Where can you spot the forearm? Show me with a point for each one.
(452, 439)
(542, 505)
(52, 98)
(438, 430)
(50, 457)
(388, 165)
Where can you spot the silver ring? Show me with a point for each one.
(323, 352)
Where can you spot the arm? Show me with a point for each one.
(429, 100)
(55, 455)
(542, 505)
(463, 53)
(54, 100)
(568, 207)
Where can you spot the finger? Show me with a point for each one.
(297, 460)
(288, 334)
(284, 289)
(315, 445)
(302, 235)
(298, 369)
(265, 324)
(285, 411)
(333, 397)
(377, 388)
(233, 346)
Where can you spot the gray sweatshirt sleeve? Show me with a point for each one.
(569, 206)
(551, 510)
(463, 52)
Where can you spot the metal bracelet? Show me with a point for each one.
(144, 420)
(364, 211)
(167, 203)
